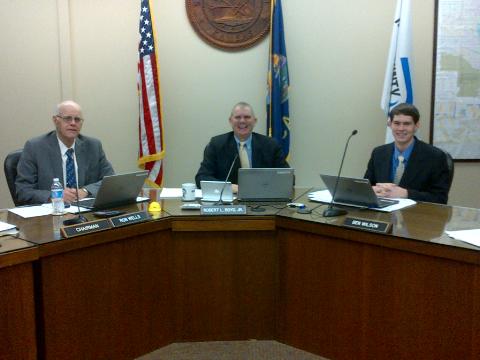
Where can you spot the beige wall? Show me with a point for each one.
(86, 49)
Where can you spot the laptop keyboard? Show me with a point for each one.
(87, 203)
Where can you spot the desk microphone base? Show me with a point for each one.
(74, 221)
(332, 212)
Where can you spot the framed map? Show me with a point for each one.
(455, 112)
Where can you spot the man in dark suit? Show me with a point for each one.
(45, 157)
(253, 150)
(408, 167)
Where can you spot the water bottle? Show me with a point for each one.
(57, 197)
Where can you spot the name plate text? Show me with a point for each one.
(128, 219)
(368, 225)
(223, 210)
(85, 228)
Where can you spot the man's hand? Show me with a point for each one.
(70, 195)
(390, 190)
(235, 188)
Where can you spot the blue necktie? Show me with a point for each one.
(70, 170)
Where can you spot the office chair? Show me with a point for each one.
(451, 167)
(10, 168)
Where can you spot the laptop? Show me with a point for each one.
(116, 190)
(355, 192)
(211, 191)
(265, 184)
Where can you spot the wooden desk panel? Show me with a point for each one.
(109, 301)
(17, 307)
(321, 282)
(225, 283)
(347, 300)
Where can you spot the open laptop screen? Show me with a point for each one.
(355, 192)
(211, 191)
(265, 184)
(116, 190)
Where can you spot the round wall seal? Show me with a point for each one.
(230, 24)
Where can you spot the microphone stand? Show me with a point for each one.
(331, 211)
(80, 218)
(220, 200)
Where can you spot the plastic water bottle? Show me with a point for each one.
(57, 197)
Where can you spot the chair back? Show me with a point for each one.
(451, 167)
(10, 168)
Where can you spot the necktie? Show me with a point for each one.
(244, 160)
(400, 169)
(70, 170)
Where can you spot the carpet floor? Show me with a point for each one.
(229, 350)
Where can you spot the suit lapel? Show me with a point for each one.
(256, 151)
(414, 164)
(386, 164)
(81, 156)
(55, 156)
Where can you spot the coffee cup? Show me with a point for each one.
(188, 191)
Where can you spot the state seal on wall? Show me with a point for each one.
(230, 24)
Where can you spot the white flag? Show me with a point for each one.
(398, 87)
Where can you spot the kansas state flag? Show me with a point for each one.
(278, 82)
(398, 87)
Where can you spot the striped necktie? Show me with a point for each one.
(70, 170)
(400, 169)
(244, 160)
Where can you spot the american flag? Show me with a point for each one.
(152, 151)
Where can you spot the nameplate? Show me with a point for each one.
(85, 228)
(368, 225)
(223, 210)
(128, 219)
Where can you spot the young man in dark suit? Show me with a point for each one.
(45, 157)
(408, 167)
(254, 150)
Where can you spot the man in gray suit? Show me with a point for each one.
(47, 157)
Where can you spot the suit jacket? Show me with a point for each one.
(41, 161)
(426, 176)
(222, 149)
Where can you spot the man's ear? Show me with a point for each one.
(389, 122)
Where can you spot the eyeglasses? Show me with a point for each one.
(70, 118)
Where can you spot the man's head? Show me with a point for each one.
(68, 121)
(243, 120)
(404, 122)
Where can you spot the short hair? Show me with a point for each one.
(66, 103)
(242, 104)
(405, 109)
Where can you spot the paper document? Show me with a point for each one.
(326, 197)
(176, 193)
(6, 226)
(43, 210)
(31, 211)
(469, 236)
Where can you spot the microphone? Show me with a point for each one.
(80, 218)
(220, 200)
(331, 211)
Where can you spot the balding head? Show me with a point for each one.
(67, 104)
(68, 121)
